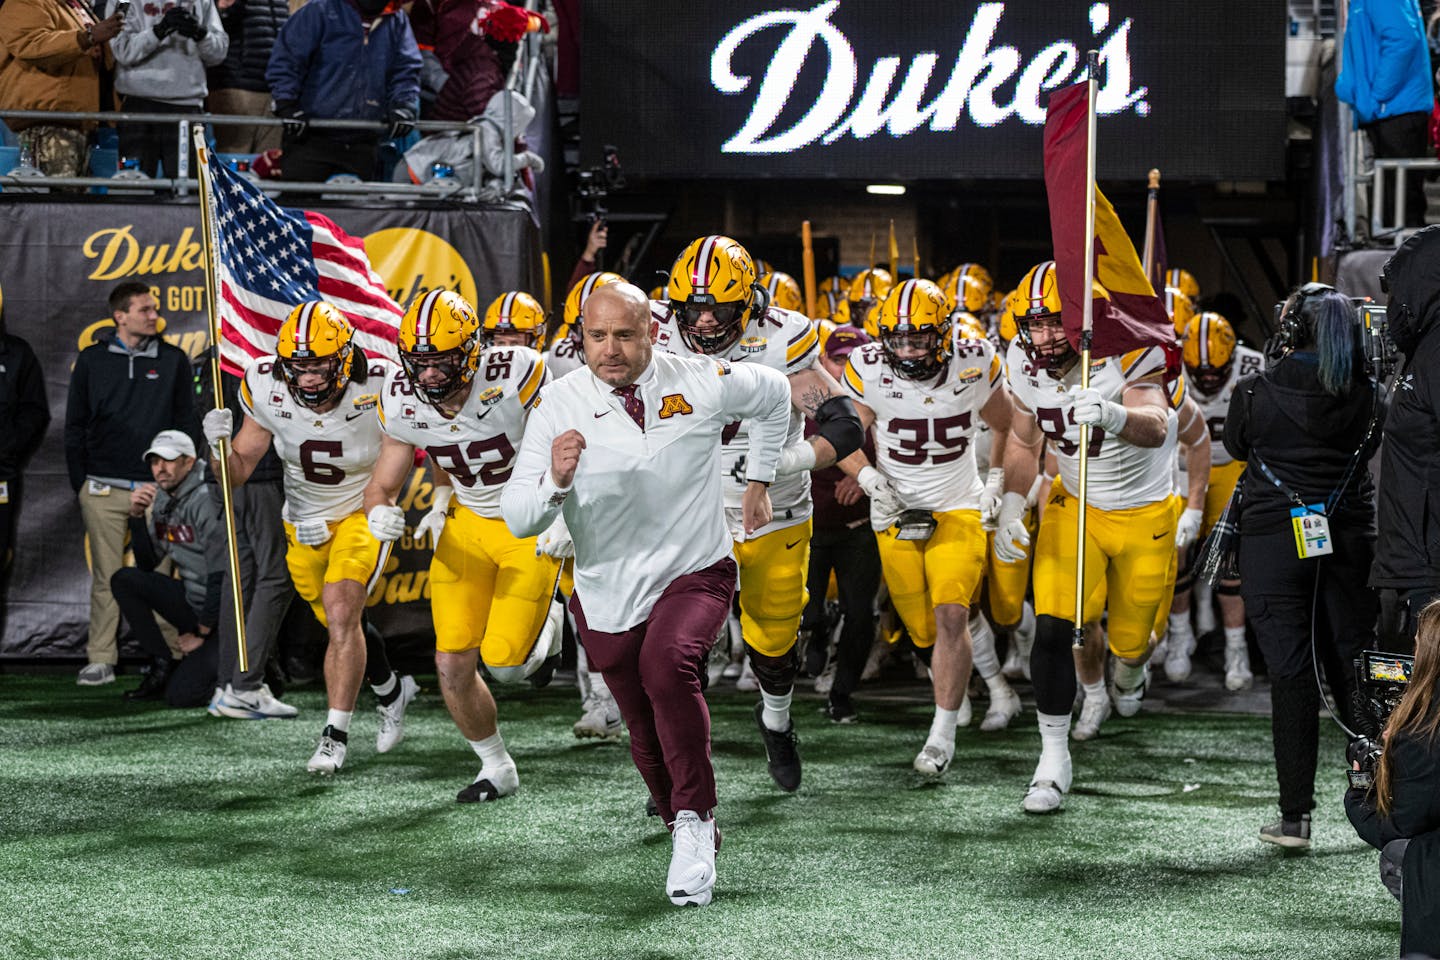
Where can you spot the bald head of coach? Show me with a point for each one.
(652, 586)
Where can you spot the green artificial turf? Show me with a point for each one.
(130, 831)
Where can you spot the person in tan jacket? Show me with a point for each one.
(51, 55)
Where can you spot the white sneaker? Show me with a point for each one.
(95, 675)
(329, 756)
(600, 720)
(934, 758)
(1093, 711)
(826, 681)
(392, 716)
(251, 704)
(1177, 658)
(747, 683)
(214, 707)
(1237, 667)
(1127, 702)
(1004, 707)
(491, 783)
(691, 879)
(967, 713)
(1049, 785)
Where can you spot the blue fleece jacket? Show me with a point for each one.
(1386, 66)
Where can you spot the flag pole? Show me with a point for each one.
(1087, 328)
(1152, 216)
(808, 260)
(212, 286)
(894, 255)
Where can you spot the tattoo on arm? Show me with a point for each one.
(813, 397)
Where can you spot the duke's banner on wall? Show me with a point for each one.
(58, 263)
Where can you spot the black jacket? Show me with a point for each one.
(1414, 813)
(1307, 437)
(118, 401)
(24, 411)
(252, 26)
(269, 469)
(1407, 550)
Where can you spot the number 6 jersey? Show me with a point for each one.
(923, 430)
(477, 446)
(328, 456)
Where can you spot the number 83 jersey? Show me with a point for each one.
(924, 430)
(477, 446)
(329, 456)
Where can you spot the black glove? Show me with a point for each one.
(296, 123)
(400, 120)
(189, 26)
(170, 23)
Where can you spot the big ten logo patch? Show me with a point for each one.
(672, 404)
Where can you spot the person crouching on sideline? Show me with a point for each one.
(637, 435)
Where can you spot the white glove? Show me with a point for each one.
(1092, 408)
(434, 521)
(1012, 540)
(532, 160)
(218, 425)
(885, 503)
(387, 524)
(990, 499)
(1188, 528)
(554, 540)
(312, 533)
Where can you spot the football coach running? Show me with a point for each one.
(628, 452)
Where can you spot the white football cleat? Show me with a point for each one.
(934, 758)
(1093, 711)
(1127, 702)
(329, 756)
(600, 720)
(1237, 667)
(1004, 707)
(1177, 658)
(1049, 785)
(691, 879)
(392, 716)
(491, 783)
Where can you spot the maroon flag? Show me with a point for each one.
(1129, 315)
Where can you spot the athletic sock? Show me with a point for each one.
(491, 751)
(942, 728)
(1235, 637)
(982, 648)
(1181, 635)
(1054, 735)
(1127, 676)
(339, 720)
(776, 713)
(598, 686)
(389, 691)
(1095, 690)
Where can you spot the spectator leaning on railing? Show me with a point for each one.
(343, 60)
(160, 60)
(51, 55)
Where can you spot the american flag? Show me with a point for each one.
(271, 259)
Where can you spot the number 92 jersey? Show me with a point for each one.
(477, 446)
(924, 431)
(1121, 475)
(328, 457)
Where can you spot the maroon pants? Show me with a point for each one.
(653, 671)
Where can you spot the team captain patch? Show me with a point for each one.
(672, 404)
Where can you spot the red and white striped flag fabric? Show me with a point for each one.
(271, 259)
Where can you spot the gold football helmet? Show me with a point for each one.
(714, 293)
(1181, 309)
(515, 316)
(1209, 350)
(868, 289)
(316, 338)
(575, 300)
(914, 328)
(1184, 281)
(966, 292)
(1036, 302)
(784, 292)
(439, 332)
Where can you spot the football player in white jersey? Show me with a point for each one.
(1214, 363)
(490, 593)
(1130, 515)
(925, 396)
(316, 401)
(717, 308)
(600, 714)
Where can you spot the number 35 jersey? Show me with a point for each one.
(924, 431)
(477, 446)
(328, 457)
(1121, 475)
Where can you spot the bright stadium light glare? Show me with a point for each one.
(886, 189)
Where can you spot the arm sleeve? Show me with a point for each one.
(32, 411)
(30, 35)
(1413, 789)
(285, 73)
(1237, 422)
(762, 396)
(216, 42)
(403, 89)
(1396, 37)
(77, 417)
(146, 556)
(136, 40)
(1360, 808)
(530, 499)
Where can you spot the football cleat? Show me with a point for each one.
(492, 783)
(1127, 702)
(782, 752)
(690, 881)
(329, 756)
(1049, 784)
(1237, 667)
(1177, 658)
(1004, 707)
(1093, 712)
(392, 716)
(933, 759)
(600, 719)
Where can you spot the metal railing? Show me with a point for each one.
(1402, 168)
(180, 185)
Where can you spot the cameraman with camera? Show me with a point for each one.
(1398, 812)
(1407, 565)
(1307, 427)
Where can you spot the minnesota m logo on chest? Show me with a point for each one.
(672, 404)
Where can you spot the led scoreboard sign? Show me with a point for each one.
(868, 89)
